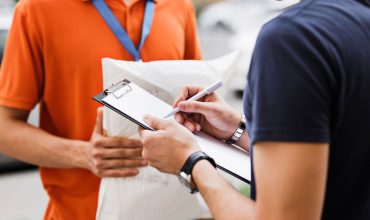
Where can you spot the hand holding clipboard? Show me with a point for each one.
(133, 102)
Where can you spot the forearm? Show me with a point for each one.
(33, 145)
(223, 200)
(243, 142)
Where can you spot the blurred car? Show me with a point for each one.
(6, 13)
(238, 22)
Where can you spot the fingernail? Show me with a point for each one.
(198, 127)
(177, 117)
(144, 163)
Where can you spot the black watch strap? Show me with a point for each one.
(193, 159)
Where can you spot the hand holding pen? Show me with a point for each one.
(210, 89)
(211, 115)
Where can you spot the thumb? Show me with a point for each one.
(99, 121)
(156, 123)
(204, 108)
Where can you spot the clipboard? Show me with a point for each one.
(132, 102)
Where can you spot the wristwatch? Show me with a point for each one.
(185, 176)
(239, 131)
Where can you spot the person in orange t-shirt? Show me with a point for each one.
(53, 57)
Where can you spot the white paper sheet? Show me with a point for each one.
(138, 102)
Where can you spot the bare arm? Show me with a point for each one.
(28, 143)
(290, 180)
(102, 155)
(290, 177)
(223, 200)
(243, 141)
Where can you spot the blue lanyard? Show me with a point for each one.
(118, 30)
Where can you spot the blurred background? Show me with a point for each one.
(223, 26)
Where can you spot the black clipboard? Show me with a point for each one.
(125, 83)
(99, 98)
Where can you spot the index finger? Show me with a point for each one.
(186, 93)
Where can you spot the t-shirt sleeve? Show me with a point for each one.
(21, 75)
(289, 88)
(192, 47)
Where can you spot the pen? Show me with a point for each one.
(197, 96)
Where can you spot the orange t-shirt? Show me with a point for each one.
(53, 56)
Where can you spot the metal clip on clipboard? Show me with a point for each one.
(117, 86)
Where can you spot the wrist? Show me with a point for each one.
(233, 122)
(185, 156)
(185, 174)
(200, 167)
(239, 131)
(81, 152)
(243, 142)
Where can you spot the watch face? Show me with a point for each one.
(185, 181)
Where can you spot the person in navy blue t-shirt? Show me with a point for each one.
(307, 105)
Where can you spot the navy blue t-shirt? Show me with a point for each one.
(309, 81)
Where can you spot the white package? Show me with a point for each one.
(151, 194)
